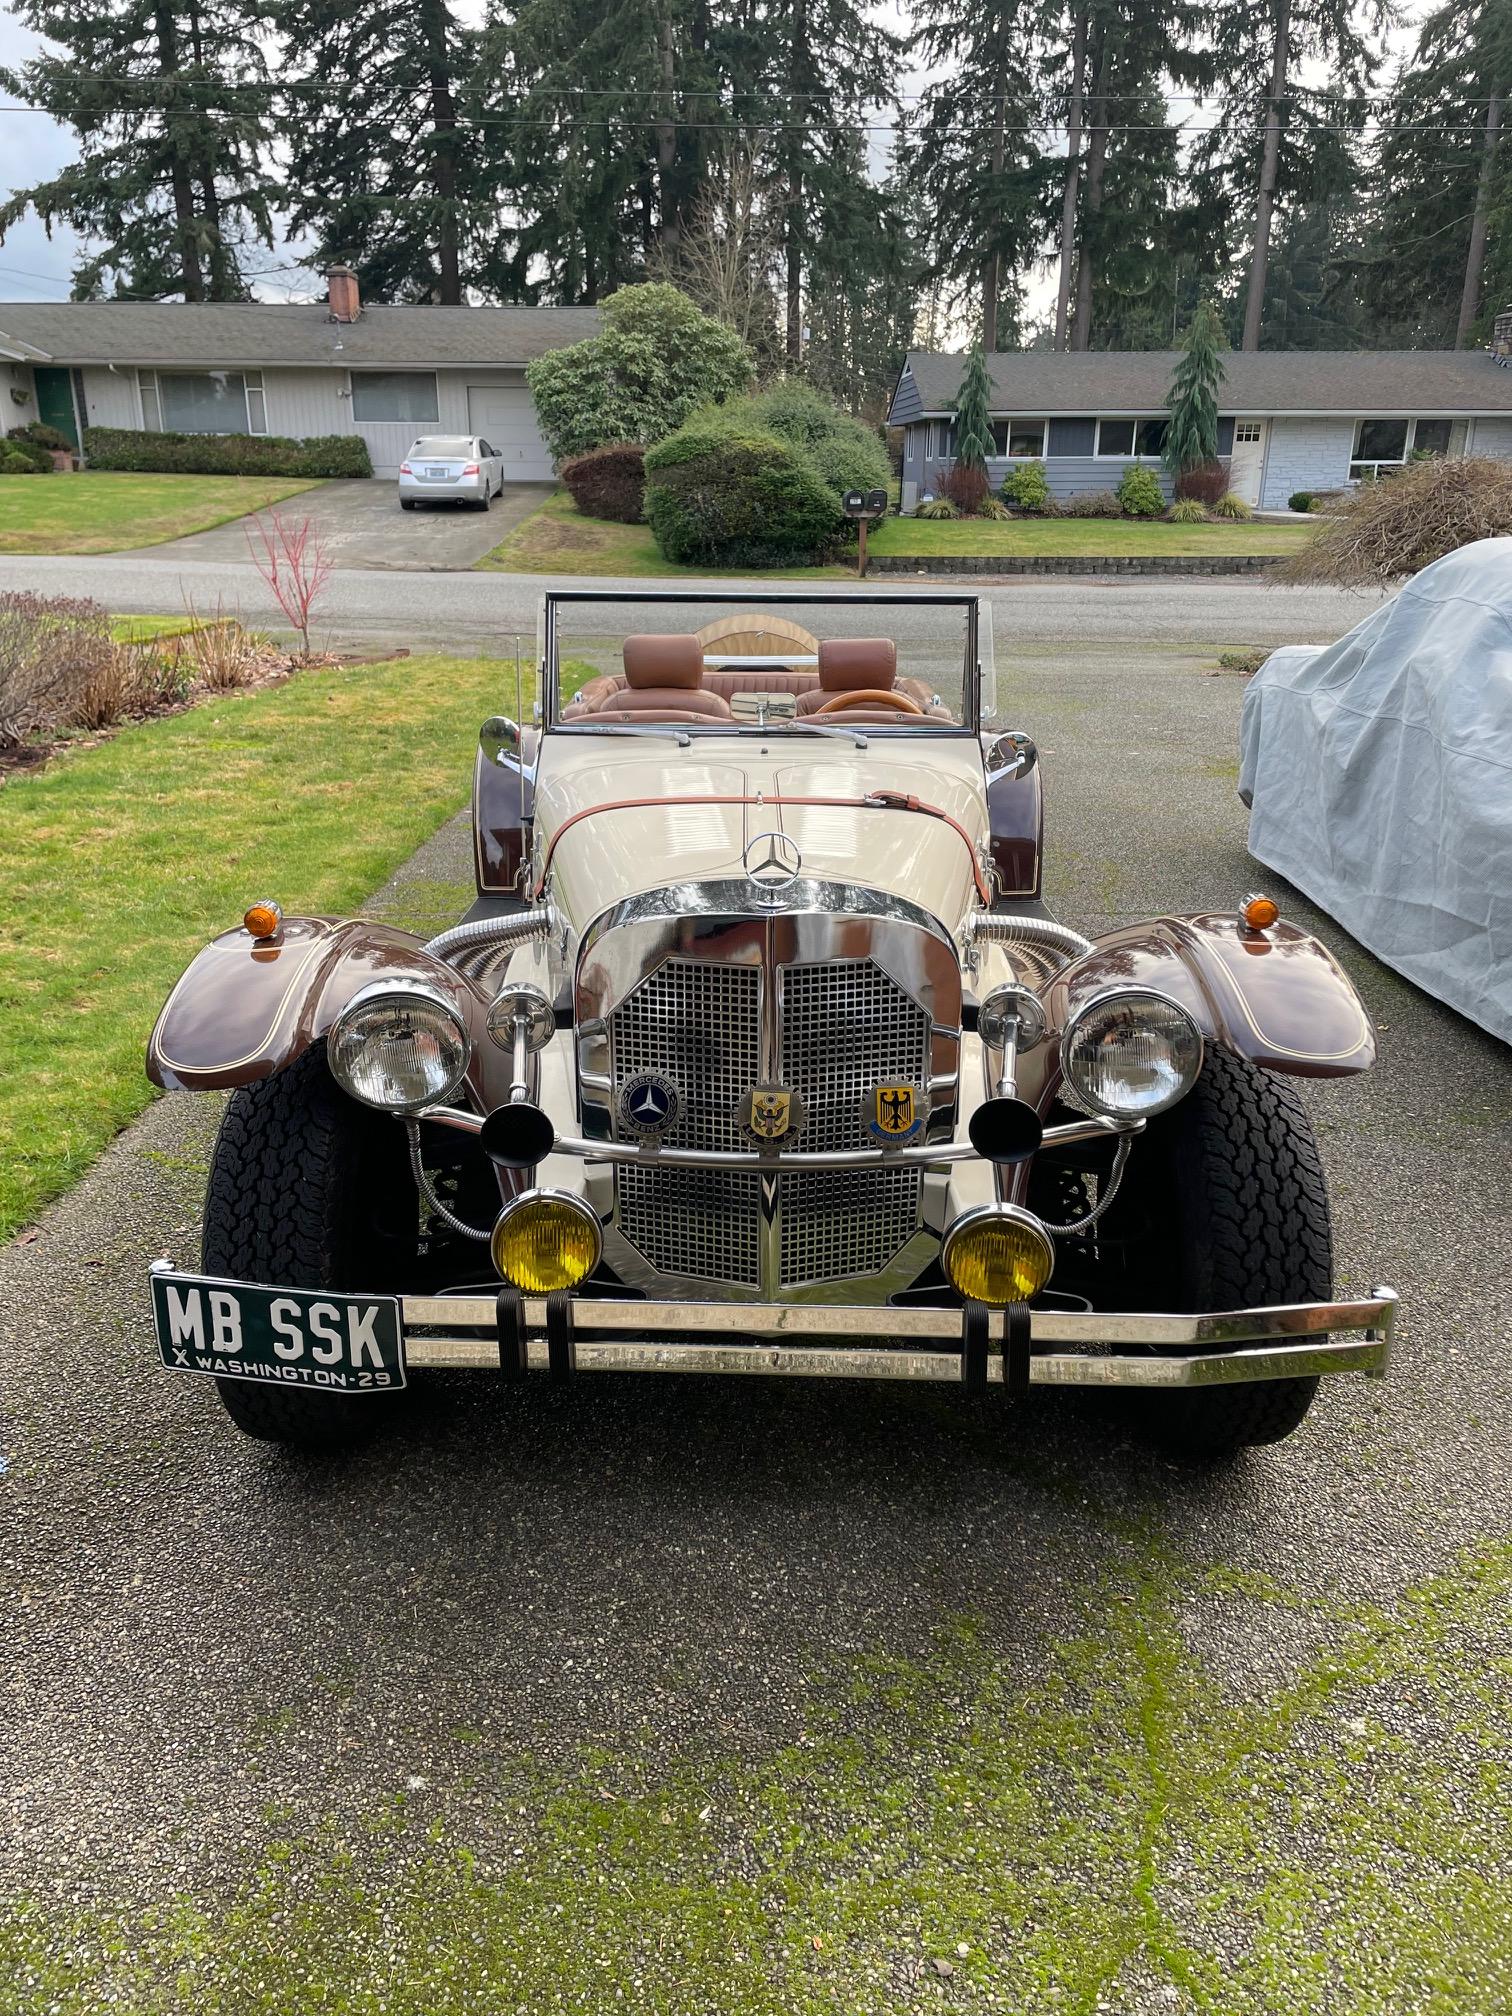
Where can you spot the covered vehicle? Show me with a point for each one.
(759, 1052)
(1378, 773)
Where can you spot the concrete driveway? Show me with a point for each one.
(364, 527)
(687, 1696)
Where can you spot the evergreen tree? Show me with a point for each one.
(973, 162)
(1442, 258)
(1273, 143)
(1192, 431)
(387, 167)
(168, 99)
(973, 416)
(861, 295)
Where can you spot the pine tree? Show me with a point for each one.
(388, 168)
(1192, 431)
(973, 415)
(975, 166)
(169, 102)
(1272, 143)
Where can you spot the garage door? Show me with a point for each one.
(504, 415)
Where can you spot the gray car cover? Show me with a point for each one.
(1378, 771)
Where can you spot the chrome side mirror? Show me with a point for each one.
(1012, 751)
(499, 736)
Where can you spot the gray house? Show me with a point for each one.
(1290, 419)
(331, 367)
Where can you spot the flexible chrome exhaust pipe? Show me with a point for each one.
(469, 946)
(1045, 944)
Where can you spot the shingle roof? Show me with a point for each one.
(234, 332)
(1042, 382)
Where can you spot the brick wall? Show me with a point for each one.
(1305, 455)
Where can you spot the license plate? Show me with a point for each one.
(332, 1343)
(442, 473)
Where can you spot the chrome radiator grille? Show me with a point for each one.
(844, 1027)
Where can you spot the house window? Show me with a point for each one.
(1383, 445)
(941, 438)
(1023, 439)
(394, 395)
(203, 402)
(1247, 431)
(1123, 438)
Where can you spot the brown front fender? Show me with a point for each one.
(245, 1009)
(1277, 997)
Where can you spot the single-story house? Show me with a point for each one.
(331, 367)
(1290, 419)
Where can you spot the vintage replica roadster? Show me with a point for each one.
(759, 1052)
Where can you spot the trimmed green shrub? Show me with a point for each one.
(1027, 488)
(1139, 492)
(609, 482)
(1301, 500)
(656, 360)
(1091, 504)
(724, 494)
(1232, 505)
(846, 452)
(1187, 511)
(17, 462)
(41, 435)
(134, 450)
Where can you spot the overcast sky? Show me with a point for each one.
(36, 267)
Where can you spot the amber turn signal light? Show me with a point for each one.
(263, 920)
(1258, 913)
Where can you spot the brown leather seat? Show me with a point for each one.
(663, 675)
(852, 665)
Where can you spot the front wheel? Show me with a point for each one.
(309, 1190)
(1234, 1209)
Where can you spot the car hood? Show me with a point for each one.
(624, 816)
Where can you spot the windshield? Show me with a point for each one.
(444, 447)
(799, 664)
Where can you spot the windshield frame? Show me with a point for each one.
(549, 634)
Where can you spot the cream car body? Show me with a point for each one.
(759, 1052)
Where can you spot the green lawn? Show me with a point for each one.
(556, 540)
(105, 513)
(118, 861)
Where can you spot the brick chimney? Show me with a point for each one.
(1501, 336)
(342, 294)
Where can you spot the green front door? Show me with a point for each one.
(55, 400)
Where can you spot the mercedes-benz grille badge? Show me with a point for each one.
(648, 1103)
(772, 865)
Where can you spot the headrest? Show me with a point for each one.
(846, 664)
(663, 661)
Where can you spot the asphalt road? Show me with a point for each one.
(753, 1697)
(486, 611)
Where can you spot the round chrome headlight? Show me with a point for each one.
(1130, 1053)
(399, 1045)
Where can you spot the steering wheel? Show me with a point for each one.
(871, 696)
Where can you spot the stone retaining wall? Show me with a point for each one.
(1077, 563)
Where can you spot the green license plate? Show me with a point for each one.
(330, 1343)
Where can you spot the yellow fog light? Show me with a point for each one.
(545, 1240)
(998, 1254)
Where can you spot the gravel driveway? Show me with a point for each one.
(685, 1696)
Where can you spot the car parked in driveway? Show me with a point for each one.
(760, 1053)
(451, 469)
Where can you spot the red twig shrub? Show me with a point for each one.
(609, 482)
(292, 557)
(965, 487)
(1206, 482)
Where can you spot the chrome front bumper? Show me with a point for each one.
(1293, 1341)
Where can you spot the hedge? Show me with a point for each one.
(846, 453)
(722, 493)
(133, 449)
(609, 482)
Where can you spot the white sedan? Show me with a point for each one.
(451, 469)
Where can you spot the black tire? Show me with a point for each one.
(406, 503)
(1234, 1172)
(309, 1190)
